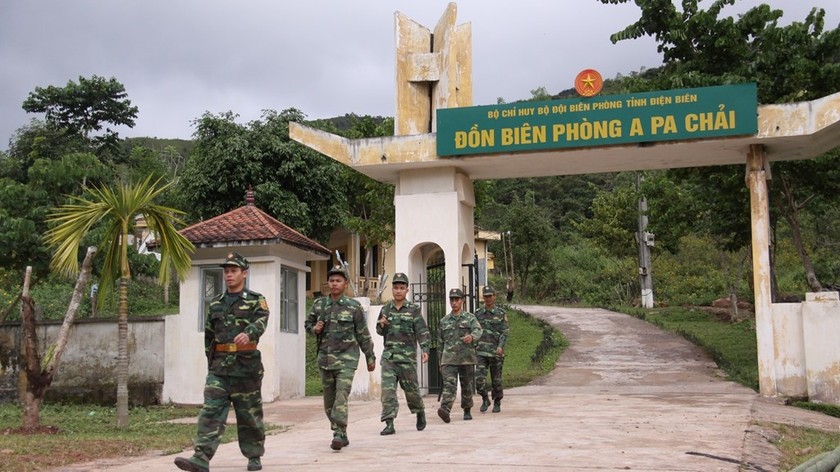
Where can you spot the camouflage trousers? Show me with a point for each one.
(494, 365)
(337, 384)
(219, 392)
(452, 374)
(405, 374)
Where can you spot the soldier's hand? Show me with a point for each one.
(424, 357)
(371, 366)
(500, 352)
(319, 326)
(468, 339)
(383, 321)
(241, 339)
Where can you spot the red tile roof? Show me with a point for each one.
(248, 224)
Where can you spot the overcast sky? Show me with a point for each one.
(181, 58)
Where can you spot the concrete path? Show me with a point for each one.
(625, 396)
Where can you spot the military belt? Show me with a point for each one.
(233, 347)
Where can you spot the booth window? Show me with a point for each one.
(289, 301)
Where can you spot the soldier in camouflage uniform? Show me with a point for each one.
(339, 324)
(235, 321)
(403, 327)
(491, 350)
(457, 332)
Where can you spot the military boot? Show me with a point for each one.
(421, 421)
(254, 463)
(192, 464)
(444, 414)
(467, 415)
(497, 406)
(485, 403)
(338, 442)
(389, 428)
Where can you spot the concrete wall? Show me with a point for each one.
(806, 353)
(87, 370)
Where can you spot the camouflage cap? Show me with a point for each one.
(456, 293)
(338, 270)
(400, 278)
(488, 290)
(235, 259)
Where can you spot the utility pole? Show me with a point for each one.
(646, 241)
(507, 247)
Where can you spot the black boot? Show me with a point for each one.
(497, 406)
(485, 402)
(389, 428)
(421, 421)
(467, 415)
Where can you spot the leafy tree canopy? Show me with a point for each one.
(293, 183)
(84, 107)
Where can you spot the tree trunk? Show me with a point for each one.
(122, 355)
(32, 360)
(38, 378)
(792, 216)
(72, 310)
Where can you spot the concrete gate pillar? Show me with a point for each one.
(758, 172)
(433, 70)
(434, 206)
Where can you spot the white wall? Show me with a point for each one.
(805, 349)
(368, 385)
(820, 325)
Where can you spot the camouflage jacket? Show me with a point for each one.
(227, 316)
(345, 331)
(405, 329)
(451, 335)
(495, 330)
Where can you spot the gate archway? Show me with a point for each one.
(434, 196)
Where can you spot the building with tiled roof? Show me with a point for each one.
(248, 226)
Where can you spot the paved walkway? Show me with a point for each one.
(624, 396)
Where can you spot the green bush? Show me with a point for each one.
(52, 296)
(579, 272)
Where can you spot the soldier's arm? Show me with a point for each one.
(257, 327)
(209, 336)
(421, 331)
(505, 330)
(382, 328)
(475, 328)
(312, 317)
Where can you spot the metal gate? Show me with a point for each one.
(431, 295)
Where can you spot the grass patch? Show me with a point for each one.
(531, 350)
(830, 410)
(732, 345)
(799, 444)
(83, 433)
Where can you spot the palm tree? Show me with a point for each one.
(116, 209)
